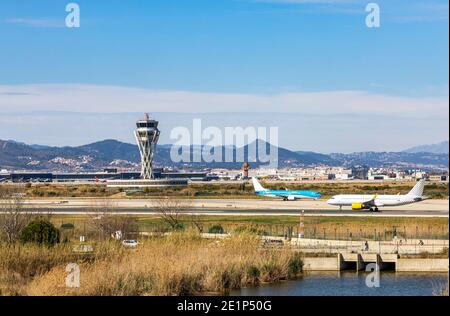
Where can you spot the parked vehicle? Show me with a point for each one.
(129, 243)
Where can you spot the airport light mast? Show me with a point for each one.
(147, 134)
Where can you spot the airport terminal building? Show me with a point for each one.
(107, 175)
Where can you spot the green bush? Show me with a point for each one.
(179, 227)
(67, 226)
(295, 266)
(41, 232)
(251, 229)
(216, 229)
(253, 274)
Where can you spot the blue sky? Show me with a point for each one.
(252, 53)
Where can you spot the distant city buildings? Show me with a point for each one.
(327, 174)
(288, 174)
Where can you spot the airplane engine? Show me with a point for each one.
(291, 198)
(357, 206)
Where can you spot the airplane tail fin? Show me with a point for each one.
(418, 188)
(256, 185)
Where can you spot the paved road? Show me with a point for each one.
(426, 208)
(252, 212)
(429, 208)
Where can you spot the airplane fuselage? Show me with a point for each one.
(370, 201)
(290, 194)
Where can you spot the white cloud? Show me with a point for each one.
(118, 99)
(35, 22)
(393, 11)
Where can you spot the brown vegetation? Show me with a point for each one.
(177, 264)
(105, 223)
(13, 218)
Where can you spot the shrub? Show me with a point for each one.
(295, 266)
(67, 226)
(184, 284)
(271, 272)
(41, 232)
(179, 227)
(251, 230)
(216, 229)
(253, 274)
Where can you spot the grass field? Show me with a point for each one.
(315, 226)
(224, 190)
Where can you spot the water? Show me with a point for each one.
(351, 283)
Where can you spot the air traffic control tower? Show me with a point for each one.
(147, 134)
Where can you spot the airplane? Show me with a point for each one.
(373, 202)
(287, 195)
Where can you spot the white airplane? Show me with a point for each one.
(287, 195)
(373, 202)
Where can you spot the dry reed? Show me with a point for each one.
(178, 264)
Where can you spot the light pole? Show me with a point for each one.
(301, 231)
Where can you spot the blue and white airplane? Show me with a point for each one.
(287, 195)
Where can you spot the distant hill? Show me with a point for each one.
(15, 156)
(393, 159)
(112, 149)
(439, 148)
(112, 153)
(309, 155)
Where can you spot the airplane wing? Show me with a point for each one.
(372, 202)
(421, 198)
(287, 196)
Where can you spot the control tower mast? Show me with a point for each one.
(147, 134)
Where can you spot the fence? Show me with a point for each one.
(335, 233)
(425, 247)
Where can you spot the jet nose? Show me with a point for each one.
(330, 201)
(318, 195)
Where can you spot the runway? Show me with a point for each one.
(241, 207)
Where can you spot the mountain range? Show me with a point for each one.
(112, 153)
(439, 148)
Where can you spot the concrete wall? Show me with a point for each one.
(422, 265)
(345, 261)
(320, 264)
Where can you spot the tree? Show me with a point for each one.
(196, 222)
(107, 223)
(40, 231)
(170, 211)
(13, 217)
(216, 229)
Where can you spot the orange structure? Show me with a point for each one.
(245, 168)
